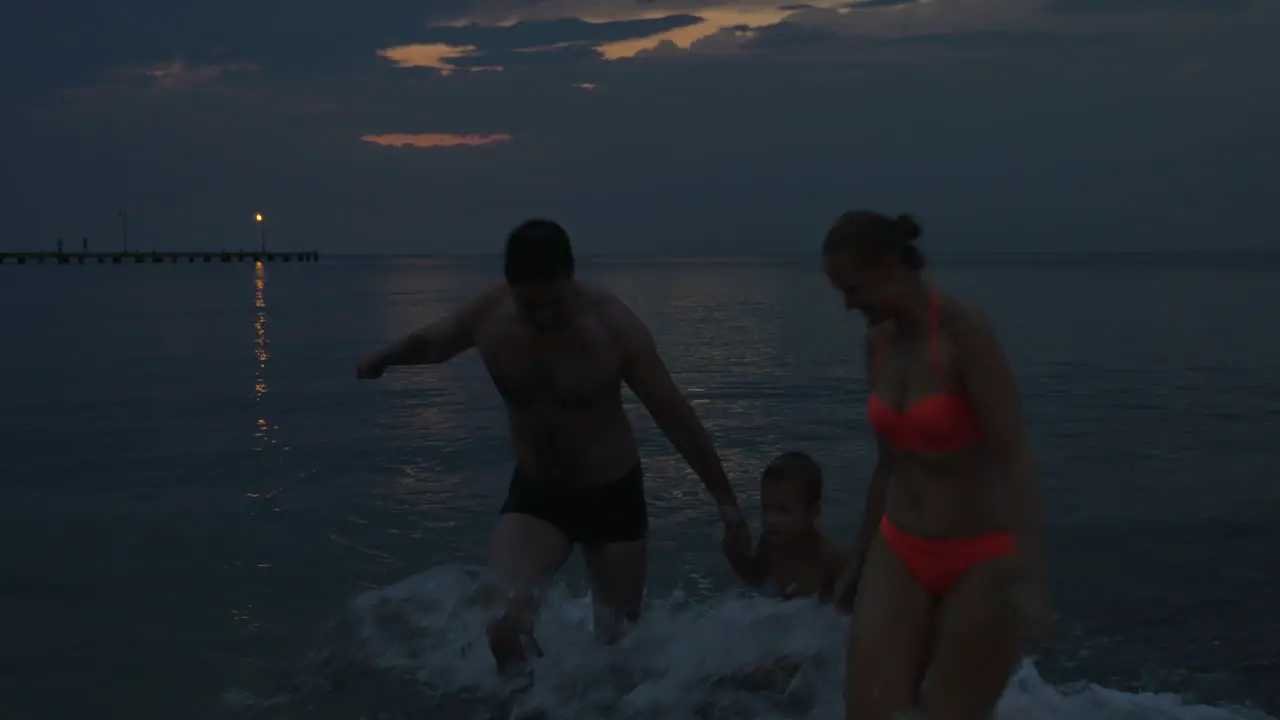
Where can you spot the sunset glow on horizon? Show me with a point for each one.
(436, 140)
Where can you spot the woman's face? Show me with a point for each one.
(871, 288)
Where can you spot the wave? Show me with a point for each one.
(418, 648)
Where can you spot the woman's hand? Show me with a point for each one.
(1033, 607)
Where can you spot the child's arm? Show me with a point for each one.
(750, 567)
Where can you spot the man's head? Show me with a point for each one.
(539, 269)
(790, 496)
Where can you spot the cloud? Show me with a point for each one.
(68, 43)
(437, 56)
(473, 46)
(545, 33)
(1114, 7)
(623, 31)
(829, 29)
(179, 76)
(872, 4)
(40, 50)
(738, 28)
(435, 140)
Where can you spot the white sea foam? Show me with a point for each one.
(685, 660)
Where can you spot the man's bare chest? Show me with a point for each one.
(570, 374)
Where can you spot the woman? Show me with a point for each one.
(948, 562)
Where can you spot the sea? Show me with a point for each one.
(203, 514)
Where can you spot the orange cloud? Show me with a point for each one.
(435, 140)
(728, 27)
(432, 55)
(725, 27)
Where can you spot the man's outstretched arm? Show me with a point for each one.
(646, 374)
(436, 342)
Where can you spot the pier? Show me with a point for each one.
(156, 258)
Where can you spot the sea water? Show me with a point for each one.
(206, 515)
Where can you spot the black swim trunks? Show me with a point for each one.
(592, 515)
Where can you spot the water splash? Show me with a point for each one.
(418, 647)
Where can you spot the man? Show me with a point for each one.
(558, 351)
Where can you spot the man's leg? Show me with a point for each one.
(617, 571)
(524, 555)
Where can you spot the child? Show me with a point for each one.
(792, 552)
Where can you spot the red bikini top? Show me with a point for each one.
(932, 425)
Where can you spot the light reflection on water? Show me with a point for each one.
(265, 431)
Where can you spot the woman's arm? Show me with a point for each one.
(993, 393)
(837, 585)
(872, 511)
(873, 508)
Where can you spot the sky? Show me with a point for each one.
(668, 126)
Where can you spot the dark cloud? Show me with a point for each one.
(872, 4)
(1027, 43)
(68, 43)
(60, 43)
(1102, 7)
(542, 43)
(545, 33)
(788, 38)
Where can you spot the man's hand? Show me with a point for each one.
(371, 368)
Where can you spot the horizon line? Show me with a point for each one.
(657, 255)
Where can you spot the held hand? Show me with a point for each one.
(731, 515)
(736, 545)
(737, 534)
(370, 368)
(846, 587)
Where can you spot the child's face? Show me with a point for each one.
(786, 512)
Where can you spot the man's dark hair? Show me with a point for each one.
(797, 467)
(538, 251)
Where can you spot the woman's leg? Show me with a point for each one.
(890, 638)
(977, 644)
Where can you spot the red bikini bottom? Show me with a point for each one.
(938, 564)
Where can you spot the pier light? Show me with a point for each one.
(262, 232)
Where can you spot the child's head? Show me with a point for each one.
(790, 496)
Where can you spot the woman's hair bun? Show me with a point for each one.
(908, 227)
